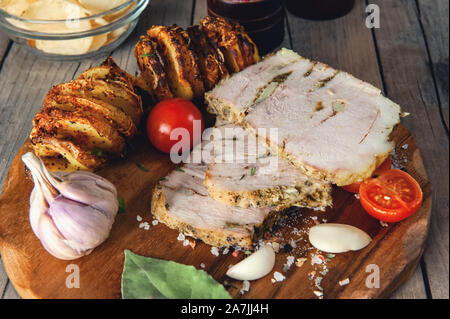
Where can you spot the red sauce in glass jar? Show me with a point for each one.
(263, 20)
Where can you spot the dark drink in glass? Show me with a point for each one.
(320, 9)
(263, 20)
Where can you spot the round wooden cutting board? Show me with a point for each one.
(394, 251)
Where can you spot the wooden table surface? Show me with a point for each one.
(407, 57)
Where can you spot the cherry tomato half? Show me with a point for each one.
(384, 167)
(172, 114)
(392, 196)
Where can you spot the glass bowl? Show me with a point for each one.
(76, 38)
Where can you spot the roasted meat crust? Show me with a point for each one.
(179, 61)
(216, 237)
(152, 68)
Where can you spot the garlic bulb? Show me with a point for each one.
(70, 213)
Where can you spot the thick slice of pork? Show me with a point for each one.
(329, 124)
(247, 174)
(181, 201)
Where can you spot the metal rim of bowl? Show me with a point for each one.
(132, 14)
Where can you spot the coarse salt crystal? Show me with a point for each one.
(147, 227)
(290, 261)
(144, 225)
(186, 242)
(314, 217)
(215, 251)
(181, 237)
(405, 147)
(225, 251)
(316, 260)
(344, 282)
(245, 287)
(293, 243)
(155, 222)
(278, 276)
(318, 293)
(357, 196)
(384, 224)
(138, 218)
(202, 265)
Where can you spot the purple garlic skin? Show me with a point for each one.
(70, 213)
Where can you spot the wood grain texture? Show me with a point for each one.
(396, 249)
(408, 80)
(433, 17)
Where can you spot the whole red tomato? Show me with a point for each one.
(172, 114)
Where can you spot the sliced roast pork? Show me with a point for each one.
(246, 173)
(329, 124)
(181, 201)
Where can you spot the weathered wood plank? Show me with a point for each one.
(346, 43)
(433, 16)
(408, 81)
(10, 292)
(413, 288)
(4, 43)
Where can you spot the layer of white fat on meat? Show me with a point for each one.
(340, 126)
(241, 89)
(268, 170)
(187, 200)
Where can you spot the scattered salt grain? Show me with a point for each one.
(318, 293)
(293, 243)
(314, 217)
(384, 224)
(202, 265)
(144, 225)
(138, 218)
(290, 260)
(181, 237)
(317, 283)
(155, 222)
(278, 276)
(344, 282)
(245, 287)
(405, 147)
(316, 260)
(186, 242)
(357, 196)
(215, 251)
(225, 251)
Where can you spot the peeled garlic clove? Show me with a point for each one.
(256, 266)
(338, 238)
